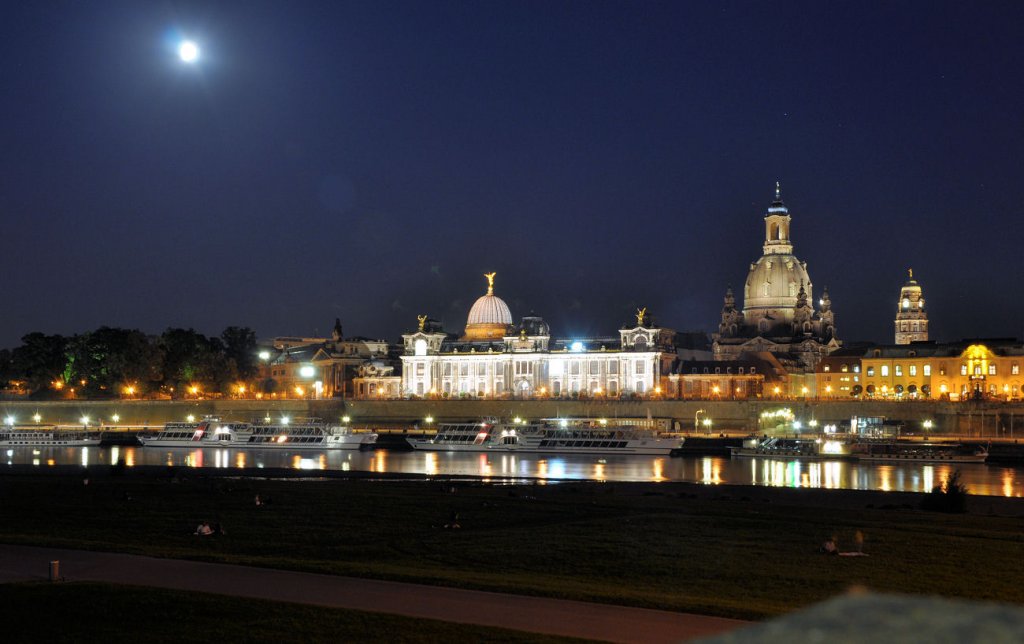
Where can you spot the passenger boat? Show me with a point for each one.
(556, 436)
(918, 453)
(811, 449)
(47, 437)
(300, 434)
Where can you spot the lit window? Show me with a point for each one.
(906, 302)
(927, 370)
(991, 370)
(913, 370)
(885, 370)
(1015, 369)
(871, 371)
(963, 370)
(899, 370)
(826, 369)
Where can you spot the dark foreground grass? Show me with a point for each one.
(647, 545)
(87, 612)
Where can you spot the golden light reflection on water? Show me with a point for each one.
(1008, 483)
(711, 471)
(240, 460)
(885, 477)
(659, 470)
(129, 457)
(542, 469)
(598, 472)
(379, 462)
(430, 463)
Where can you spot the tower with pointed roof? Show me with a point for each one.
(911, 314)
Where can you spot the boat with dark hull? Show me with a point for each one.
(556, 436)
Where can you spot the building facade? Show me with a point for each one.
(496, 358)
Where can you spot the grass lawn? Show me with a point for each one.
(89, 612)
(648, 545)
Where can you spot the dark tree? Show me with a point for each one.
(240, 350)
(109, 359)
(191, 358)
(41, 360)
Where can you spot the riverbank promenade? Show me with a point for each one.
(518, 612)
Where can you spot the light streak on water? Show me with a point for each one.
(981, 479)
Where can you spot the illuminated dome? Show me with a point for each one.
(489, 318)
(774, 282)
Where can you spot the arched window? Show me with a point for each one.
(421, 347)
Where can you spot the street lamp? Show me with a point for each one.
(696, 416)
(707, 425)
(116, 418)
(928, 424)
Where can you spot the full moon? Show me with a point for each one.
(188, 51)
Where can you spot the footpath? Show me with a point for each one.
(517, 612)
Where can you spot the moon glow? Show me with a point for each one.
(188, 51)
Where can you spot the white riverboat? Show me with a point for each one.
(47, 437)
(285, 434)
(554, 436)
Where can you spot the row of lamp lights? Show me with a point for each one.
(10, 420)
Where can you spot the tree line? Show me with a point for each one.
(112, 362)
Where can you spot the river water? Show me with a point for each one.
(985, 479)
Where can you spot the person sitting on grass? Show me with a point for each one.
(829, 547)
(204, 529)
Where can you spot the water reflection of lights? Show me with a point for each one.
(885, 478)
(928, 475)
(557, 468)
(711, 471)
(379, 463)
(1008, 483)
(240, 460)
(484, 467)
(129, 457)
(598, 471)
(542, 469)
(85, 456)
(832, 479)
(430, 463)
(659, 470)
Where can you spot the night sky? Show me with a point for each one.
(371, 160)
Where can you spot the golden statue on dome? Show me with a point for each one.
(490, 282)
(422, 319)
(640, 315)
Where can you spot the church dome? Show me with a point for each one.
(774, 282)
(489, 318)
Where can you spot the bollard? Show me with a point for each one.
(54, 571)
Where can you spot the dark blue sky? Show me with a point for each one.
(371, 160)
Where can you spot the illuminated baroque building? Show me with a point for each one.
(778, 314)
(495, 357)
(911, 315)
